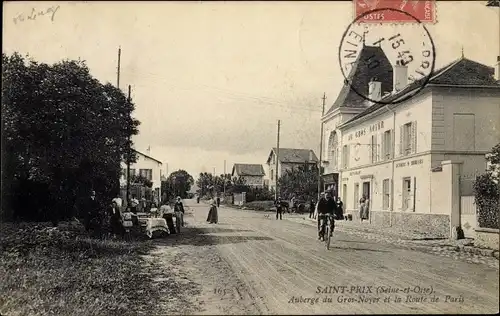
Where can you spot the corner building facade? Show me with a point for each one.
(415, 160)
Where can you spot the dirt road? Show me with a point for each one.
(250, 263)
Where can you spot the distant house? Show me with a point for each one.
(288, 159)
(252, 173)
(145, 166)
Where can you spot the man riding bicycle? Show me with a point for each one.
(326, 206)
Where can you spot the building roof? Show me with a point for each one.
(293, 155)
(462, 72)
(147, 156)
(360, 75)
(243, 169)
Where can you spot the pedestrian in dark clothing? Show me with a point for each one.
(218, 201)
(326, 206)
(93, 215)
(279, 209)
(312, 206)
(340, 209)
(179, 210)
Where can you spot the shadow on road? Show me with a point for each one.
(360, 249)
(202, 237)
(429, 238)
(355, 241)
(216, 230)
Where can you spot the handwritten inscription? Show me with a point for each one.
(409, 163)
(35, 13)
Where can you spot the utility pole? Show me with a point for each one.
(277, 160)
(118, 72)
(224, 178)
(321, 147)
(129, 99)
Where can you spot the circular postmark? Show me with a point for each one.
(399, 56)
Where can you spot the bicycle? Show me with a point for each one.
(329, 218)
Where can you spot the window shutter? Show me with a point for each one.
(401, 139)
(382, 147)
(392, 140)
(372, 156)
(347, 156)
(377, 147)
(414, 136)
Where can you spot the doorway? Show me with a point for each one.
(367, 195)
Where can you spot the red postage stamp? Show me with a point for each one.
(421, 10)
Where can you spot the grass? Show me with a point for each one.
(59, 271)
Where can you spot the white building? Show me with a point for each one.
(145, 166)
(414, 160)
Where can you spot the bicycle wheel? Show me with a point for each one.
(328, 238)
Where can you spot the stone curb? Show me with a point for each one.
(458, 248)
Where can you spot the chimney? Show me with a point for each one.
(400, 77)
(497, 69)
(374, 89)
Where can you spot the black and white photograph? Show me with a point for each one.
(250, 157)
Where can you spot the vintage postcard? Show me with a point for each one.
(250, 158)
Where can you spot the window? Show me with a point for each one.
(271, 173)
(387, 139)
(356, 195)
(408, 139)
(146, 173)
(345, 156)
(406, 193)
(387, 194)
(333, 148)
(132, 172)
(374, 148)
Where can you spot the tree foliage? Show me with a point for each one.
(301, 181)
(64, 133)
(178, 183)
(487, 192)
(210, 185)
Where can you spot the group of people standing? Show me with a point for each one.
(99, 218)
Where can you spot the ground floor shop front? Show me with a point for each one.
(406, 193)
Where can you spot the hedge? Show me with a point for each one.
(487, 193)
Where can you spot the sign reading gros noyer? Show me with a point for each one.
(367, 130)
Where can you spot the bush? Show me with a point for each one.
(259, 194)
(260, 205)
(487, 192)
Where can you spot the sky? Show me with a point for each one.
(210, 80)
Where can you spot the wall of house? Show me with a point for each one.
(465, 120)
(331, 125)
(254, 180)
(414, 165)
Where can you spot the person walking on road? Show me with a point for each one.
(213, 217)
(279, 209)
(312, 206)
(218, 201)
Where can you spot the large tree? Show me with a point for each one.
(178, 183)
(301, 181)
(64, 133)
